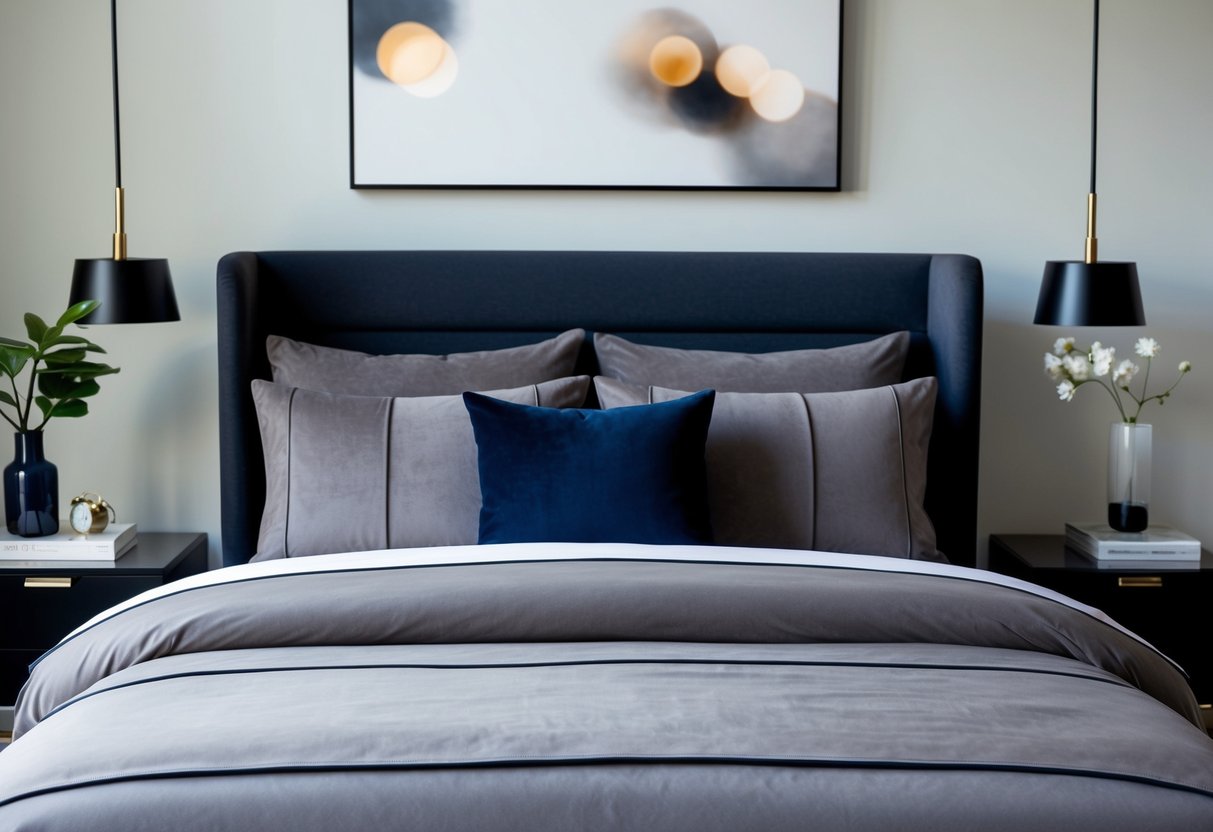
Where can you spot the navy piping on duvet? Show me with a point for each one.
(401, 566)
(619, 759)
(240, 671)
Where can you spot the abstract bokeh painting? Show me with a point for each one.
(696, 94)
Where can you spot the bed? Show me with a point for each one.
(654, 681)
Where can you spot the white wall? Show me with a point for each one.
(965, 130)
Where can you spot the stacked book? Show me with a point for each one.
(110, 544)
(1157, 547)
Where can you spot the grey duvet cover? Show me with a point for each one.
(610, 693)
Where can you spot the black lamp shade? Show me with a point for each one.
(1074, 293)
(133, 291)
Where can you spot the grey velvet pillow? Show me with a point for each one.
(840, 472)
(354, 473)
(853, 367)
(332, 370)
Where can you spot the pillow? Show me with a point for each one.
(352, 473)
(632, 475)
(841, 472)
(853, 367)
(297, 364)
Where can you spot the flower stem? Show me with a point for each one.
(1115, 398)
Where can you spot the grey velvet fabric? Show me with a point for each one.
(838, 472)
(353, 473)
(647, 695)
(299, 364)
(853, 367)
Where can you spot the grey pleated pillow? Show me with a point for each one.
(354, 473)
(839, 472)
(853, 367)
(353, 373)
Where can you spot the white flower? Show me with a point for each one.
(1053, 367)
(1077, 365)
(1069, 367)
(1147, 347)
(1125, 371)
(1102, 358)
(1063, 345)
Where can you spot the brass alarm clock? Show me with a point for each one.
(90, 514)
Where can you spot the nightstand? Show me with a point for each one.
(42, 601)
(1167, 607)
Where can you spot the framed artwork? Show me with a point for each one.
(693, 94)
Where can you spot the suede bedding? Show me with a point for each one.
(604, 686)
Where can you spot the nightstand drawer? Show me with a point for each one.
(38, 616)
(43, 601)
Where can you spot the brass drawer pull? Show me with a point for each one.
(1139, 581)
(49, 582)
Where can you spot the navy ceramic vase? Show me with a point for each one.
(31, 489)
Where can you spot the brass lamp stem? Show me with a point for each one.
(119, 225)
(1092, 243)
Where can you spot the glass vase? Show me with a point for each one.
(31, 489)
(1129, 450)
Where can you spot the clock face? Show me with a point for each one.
(81, 518)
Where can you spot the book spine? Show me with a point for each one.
(79, 550)
(1113, 552)
(37, 552)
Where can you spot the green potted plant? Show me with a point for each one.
(60, 378)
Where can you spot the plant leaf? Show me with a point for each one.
(50, 337)
(70, 409)
(76, 311)
(45, 405)
(66, 387)
(13, 358)
(35, 326)
(7, 399)
(60, 358)
(81, 370)
(84, 343)
(9, 342)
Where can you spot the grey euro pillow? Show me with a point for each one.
(299, 364)
(840, 472)
(355, 473)
(853, 367)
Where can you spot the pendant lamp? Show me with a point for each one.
(132, 290)
(1090, 292)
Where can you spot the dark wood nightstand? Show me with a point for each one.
(1167, 607)
(42, 601)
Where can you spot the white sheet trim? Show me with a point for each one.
(510, 552)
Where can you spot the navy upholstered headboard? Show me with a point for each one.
(454, 301)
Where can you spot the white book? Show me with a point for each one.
(1157, 543)
(1153, 565)
(110, 544)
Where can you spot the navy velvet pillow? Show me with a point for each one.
(628, 475)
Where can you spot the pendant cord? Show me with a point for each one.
(1094, 92)
(114, 61)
